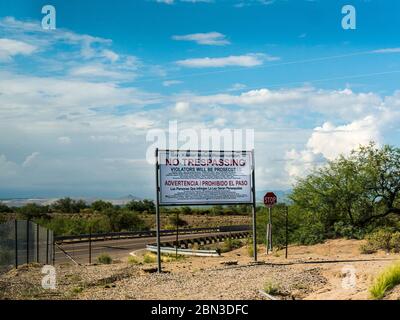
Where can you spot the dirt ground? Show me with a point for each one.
(332, 270)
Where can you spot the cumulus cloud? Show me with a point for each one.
(86, 56)
(209, 38)
(328, 141)
(331, 141)
(30, 159)
(182, 107)
(296, 128)
(10, 48)
(64, 140)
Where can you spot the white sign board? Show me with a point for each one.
(205, 177)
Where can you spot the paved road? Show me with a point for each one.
(116, 248)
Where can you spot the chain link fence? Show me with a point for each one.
(23, 241)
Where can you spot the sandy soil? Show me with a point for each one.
(321, 271)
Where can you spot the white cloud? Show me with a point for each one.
(110, 55)
(387, 50)
(7, 167)
(168, 83)
(300, 163)
(237, 87)
(189, 1)
(110, 139)
(10, 48)
(30, 159)
(210, 38)
(99, 71)
(64, 140)
(182, 107)
(331, 141)
(248, 60)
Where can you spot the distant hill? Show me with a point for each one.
(19, 202)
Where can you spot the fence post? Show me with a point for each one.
(47, 246)
(27, 241)
(16, 243)
(90, 246)
(286, 231)
(54, 250)
(37, 243)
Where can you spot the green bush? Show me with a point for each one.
(367, 249)
(230, 244)
(341, 229)
(272, 288)
(250, 248)
(104, 259)
(174, 220)
(149, 258)
(395, 242)
(380, 240)
(133, 260)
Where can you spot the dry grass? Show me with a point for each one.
(385, 281)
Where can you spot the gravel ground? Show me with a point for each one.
(313, 272)
(226, 283)
(122, 281)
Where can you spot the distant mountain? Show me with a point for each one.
(19, 202)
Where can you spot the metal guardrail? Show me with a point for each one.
(144, 233)
(188, 252)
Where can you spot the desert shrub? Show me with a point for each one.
(272, 288)
(367, 249)
(385, 281)
(174, 220)
(250, 249)
(4, 208)
(230, 244)
(133, 260)
(380, 240)
(104, 259)
(395, 242)
(149, 258)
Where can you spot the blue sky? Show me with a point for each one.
(76, 103)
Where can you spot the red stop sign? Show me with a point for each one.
(270, 199)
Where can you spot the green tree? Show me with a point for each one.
(353, 191)
(100, 205)
(141, 206)
(4, 208)
(33, 210)
(68, 205)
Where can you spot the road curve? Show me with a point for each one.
(116, 248)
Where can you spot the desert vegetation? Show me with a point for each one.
(353, 197)
(385, 281)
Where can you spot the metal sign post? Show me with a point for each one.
(254, 209)
(286, 233)
(270, 199)
(194, 177)
(158, 214)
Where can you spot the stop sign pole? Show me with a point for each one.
(270, 199)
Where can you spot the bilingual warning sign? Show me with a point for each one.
(205, 177)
